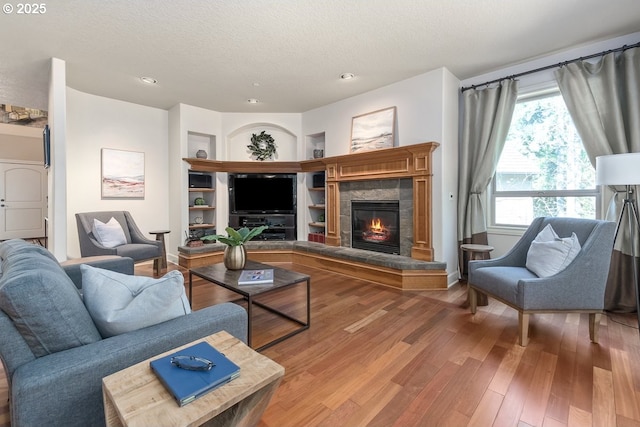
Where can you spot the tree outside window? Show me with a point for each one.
(543, 169)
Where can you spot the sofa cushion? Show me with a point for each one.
(120, 303)
(549, 254)
(110, 234)
(42, 301)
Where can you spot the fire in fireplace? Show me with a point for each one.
(375, 225)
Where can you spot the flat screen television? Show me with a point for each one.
(262, 193)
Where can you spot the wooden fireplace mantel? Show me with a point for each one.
(411, 161)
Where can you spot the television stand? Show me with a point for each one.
(281, 226)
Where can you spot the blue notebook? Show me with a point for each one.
(186, 385)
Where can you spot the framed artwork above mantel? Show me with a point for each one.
(373, 131)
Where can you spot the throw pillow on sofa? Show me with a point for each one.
(120, 303)
(110, 234)
(42, 301)
(550, 254)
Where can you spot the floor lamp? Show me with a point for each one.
(624, 170)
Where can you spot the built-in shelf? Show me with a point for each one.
(206, 165)
(321, 207)
(317, 224)
(201, 211)
(200, 226)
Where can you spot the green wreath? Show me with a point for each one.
(262, 146)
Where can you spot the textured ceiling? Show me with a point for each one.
(210, 53)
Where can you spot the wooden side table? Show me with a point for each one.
(160, 238)
(136, 397)
(477, 252)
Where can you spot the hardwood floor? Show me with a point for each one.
(375, 356)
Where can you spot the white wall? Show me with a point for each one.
(283, 127)
(182, 120)
(57, 213)
(427, 110)
(504, 239)
(447, 193)
(95, 122)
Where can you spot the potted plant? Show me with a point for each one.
(235, 254)
(192, 240)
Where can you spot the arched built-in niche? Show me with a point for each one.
(237, 141)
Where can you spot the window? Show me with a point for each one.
(543, 169)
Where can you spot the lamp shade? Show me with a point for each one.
(618, 169)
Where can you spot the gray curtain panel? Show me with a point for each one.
(487, 116)
(603, 98)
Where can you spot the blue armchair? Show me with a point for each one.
(138, 247)
(579, 287)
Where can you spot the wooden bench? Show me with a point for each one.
(396, 271)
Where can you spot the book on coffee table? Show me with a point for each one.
(185, 377)
(256, 277)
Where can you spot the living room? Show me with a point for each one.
(427, 105)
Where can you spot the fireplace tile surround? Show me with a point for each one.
(382, 190)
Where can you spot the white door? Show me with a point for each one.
(23, 200)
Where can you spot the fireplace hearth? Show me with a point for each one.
(375, 225)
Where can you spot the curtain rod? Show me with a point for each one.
(548, 67)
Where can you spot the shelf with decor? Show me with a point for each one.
(202, 202)
(200, 226)
(316, 207)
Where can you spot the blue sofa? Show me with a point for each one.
(53, 354)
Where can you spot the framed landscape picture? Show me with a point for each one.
(122, 174)
(374, 130)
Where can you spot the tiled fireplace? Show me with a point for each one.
(375, 225)
(377, 215)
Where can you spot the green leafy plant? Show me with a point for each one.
(236, 237)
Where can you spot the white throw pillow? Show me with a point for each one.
(110, 234)
(550, 254)
(120, 303)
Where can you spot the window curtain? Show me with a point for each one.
(487, 116)
(603, 99)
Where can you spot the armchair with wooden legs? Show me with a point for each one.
(579, 287)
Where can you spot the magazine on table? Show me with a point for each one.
(256, 277)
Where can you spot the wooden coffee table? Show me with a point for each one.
(228, 279)
(136, 397)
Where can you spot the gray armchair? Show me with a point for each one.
(138, 247)
(578, 288)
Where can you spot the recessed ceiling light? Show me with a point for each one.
(149, 80)
(347, 76)
(252, 101)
